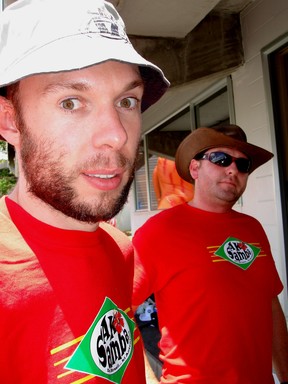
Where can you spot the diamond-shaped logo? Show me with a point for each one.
(238, 252)
(107, 347)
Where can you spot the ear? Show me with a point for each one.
(8, 126)
(193, 169)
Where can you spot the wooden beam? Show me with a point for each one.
(215, 45)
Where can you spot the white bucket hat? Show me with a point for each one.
(43, 36)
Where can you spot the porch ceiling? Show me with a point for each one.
(195, 42)
(170, 18)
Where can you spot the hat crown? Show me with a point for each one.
(203, 138)
(29, 25)
(233, 131)
(50, 36)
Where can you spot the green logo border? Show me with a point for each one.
(82, 360)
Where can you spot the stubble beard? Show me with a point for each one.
(230, 197)
(48, 181)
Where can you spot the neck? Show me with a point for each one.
(42, 212)
(209, 206)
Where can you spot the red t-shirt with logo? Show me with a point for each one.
(213, 277)
(65, 304)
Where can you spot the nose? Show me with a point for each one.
(232, 168)
(110, 130)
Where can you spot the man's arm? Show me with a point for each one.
(280, 342)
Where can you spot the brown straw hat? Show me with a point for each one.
(203, 138)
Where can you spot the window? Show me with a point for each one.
(213, 110)
(141, 197)
(159, 143)
(162, 144)
(156, 164)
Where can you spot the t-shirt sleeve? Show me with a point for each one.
(144, 273)
(276, 284)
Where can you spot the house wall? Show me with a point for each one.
(262, 22)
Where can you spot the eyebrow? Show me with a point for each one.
(135, 84)
(56, 87)
(82, 86)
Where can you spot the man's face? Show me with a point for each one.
(79, 137)
(218, 186)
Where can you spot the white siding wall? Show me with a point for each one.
(262, 23)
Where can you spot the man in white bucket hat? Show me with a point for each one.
(73, 89)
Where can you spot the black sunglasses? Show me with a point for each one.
(224, 160)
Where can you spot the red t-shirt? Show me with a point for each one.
(214, 278)
(65, 308)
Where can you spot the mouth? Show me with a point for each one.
(100, 176)
(229, 182)
(106, 181)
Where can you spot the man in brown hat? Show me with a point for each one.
(213, 275)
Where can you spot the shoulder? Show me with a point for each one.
(168, 213)
(4, 215)
(251, 224)
(162, 221)
(118, 237)
(247, 218)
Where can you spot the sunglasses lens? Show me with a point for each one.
(243, 165)
(224, 160)
(220, 158)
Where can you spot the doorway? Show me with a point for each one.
(278, 75)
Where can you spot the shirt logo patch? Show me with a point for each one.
(107, 347)
(238, 252)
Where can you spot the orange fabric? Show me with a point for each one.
(170, 188)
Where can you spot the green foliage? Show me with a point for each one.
(7, 181)
(3, 145)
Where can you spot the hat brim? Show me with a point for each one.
(77, 52)
(203, 139)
